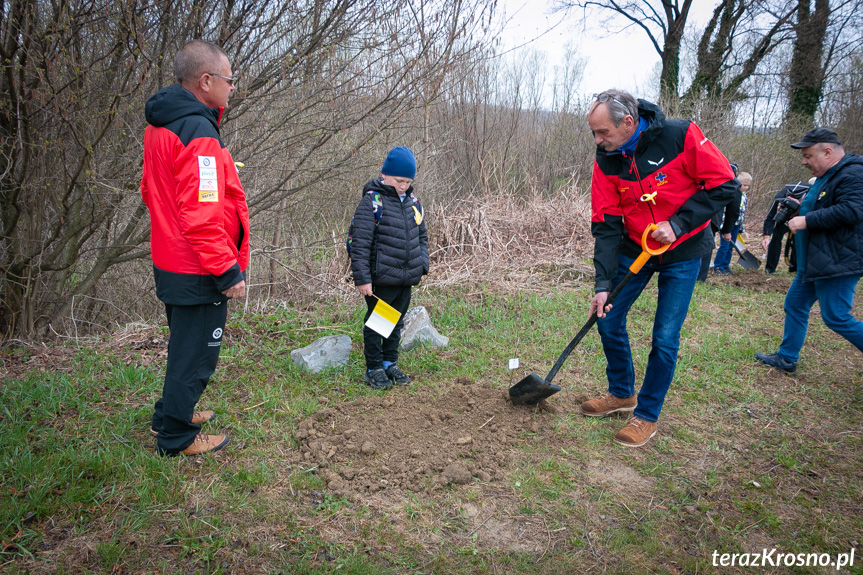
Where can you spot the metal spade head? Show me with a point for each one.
(531, 390)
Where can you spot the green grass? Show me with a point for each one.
(745, 458)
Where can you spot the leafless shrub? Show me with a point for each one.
(498, 236)
(530, 242)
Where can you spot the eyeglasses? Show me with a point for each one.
(603, 98)
(229, 79)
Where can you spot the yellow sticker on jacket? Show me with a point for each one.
(208, 179)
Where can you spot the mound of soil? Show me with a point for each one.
(755, 281)
(417, 441)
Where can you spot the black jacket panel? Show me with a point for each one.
(394, 250)
(835, 224)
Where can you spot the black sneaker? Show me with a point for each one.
(773, 360)
(377, 379)
(397, 376)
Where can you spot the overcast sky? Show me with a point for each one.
(627, 61)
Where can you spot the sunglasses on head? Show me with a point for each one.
(603, 98)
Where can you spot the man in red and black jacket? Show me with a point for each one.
(648, 170)
(199, 236)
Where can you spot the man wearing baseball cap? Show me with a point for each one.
(829, 244)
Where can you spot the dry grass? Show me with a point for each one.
(497, 237)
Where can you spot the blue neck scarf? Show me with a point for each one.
(629, 147)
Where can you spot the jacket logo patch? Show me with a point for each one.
(208, 179)
(656, 163)
(661, 179)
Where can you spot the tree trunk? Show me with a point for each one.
(669, 79)
(807, 66)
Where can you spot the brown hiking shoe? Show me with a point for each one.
(607, 404)
(204, 443)
(199, 417)
(636, 432)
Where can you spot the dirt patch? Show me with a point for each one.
(418, 441)
(754, 281)
(618, 475)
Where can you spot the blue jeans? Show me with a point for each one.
(676, 282)
(723, 254)
(836, 298)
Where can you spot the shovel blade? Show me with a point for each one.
(749, 261)
(531, 390)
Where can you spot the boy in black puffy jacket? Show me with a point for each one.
(389, 254)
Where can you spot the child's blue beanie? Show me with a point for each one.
(400, 162)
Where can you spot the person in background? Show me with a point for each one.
(648, 171)
(718, 223)
(722, 263)
(828, 233)
(773, 232)
(199, 236)
(389, 254)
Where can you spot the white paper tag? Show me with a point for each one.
(513, 363)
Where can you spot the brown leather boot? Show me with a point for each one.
(205, 443)
(607, 404)
(199, 417)
(636, 432)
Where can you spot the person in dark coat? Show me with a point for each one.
(389, 254)
(772, 233)
(721, 222)
(829, 243)
(731, 227)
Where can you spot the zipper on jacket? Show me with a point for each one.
(407, 262)
(634, 167)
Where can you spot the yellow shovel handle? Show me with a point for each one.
(646, 251)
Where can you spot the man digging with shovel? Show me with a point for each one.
(648, 170)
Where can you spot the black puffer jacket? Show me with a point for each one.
(835, 223)
(394, 251)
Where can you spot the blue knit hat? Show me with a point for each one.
(400, 163)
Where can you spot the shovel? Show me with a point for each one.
(747, 259)
(533, 389)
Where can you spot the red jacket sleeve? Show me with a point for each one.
(200, 185)
(604, 198)
(703, 161)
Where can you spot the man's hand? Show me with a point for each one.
(765, 241)
(236, 290)
(663, 234)
(365, 289)
(727, 237)
(597, 304)
(797, 223)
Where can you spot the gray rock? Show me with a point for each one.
(418, 329)
(330, 351)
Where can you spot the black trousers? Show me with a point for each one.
(774, 250)
(193, 351)
(705, 267)
(377, 348)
